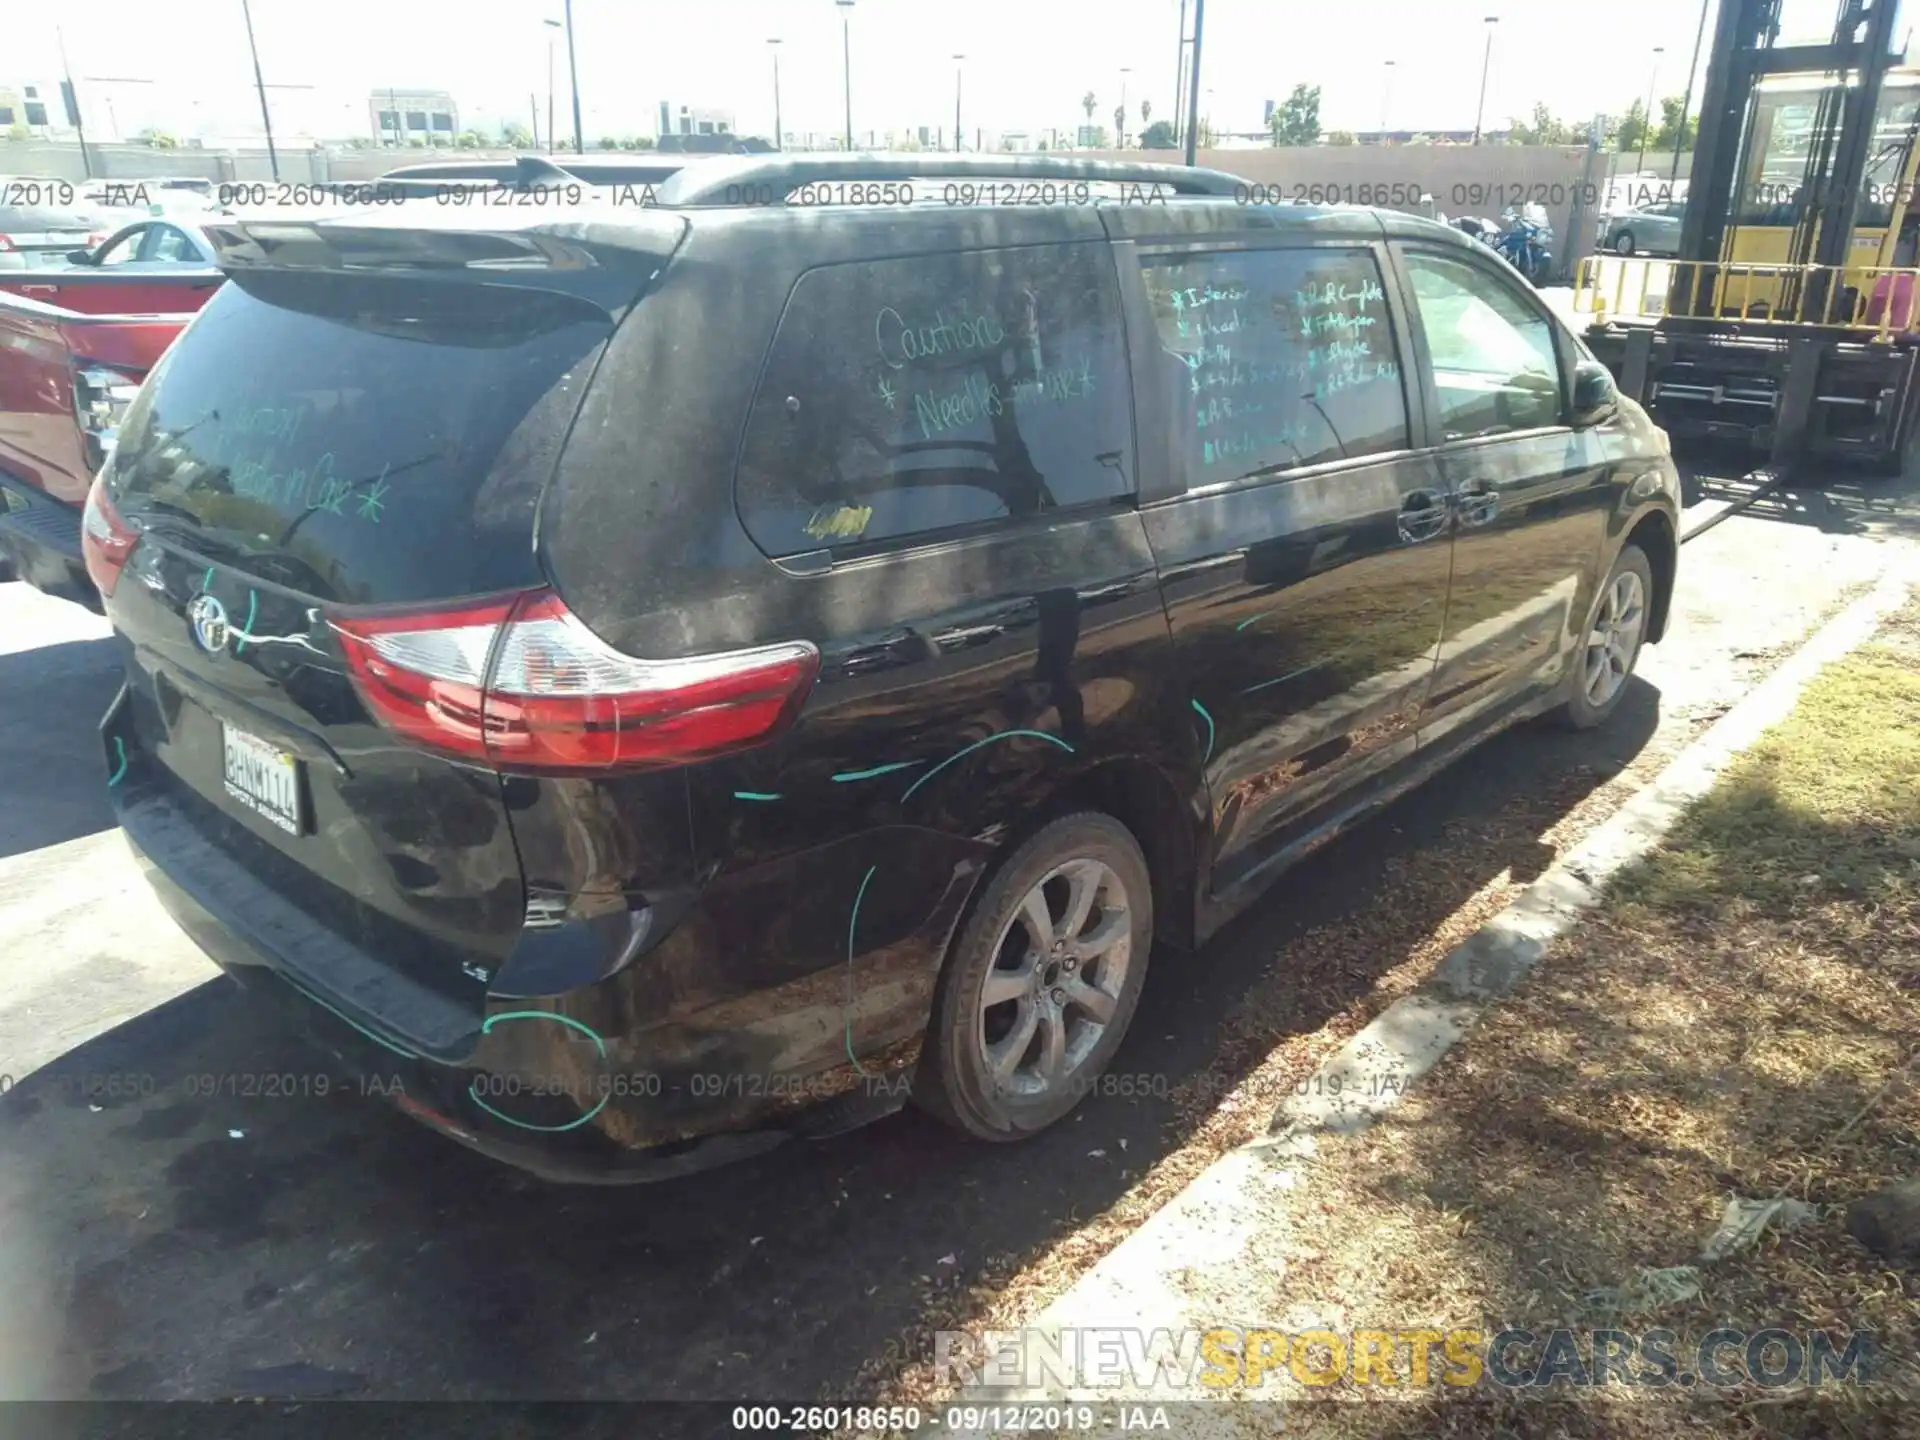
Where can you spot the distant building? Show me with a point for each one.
(694, 120)
(34, 106)
(401, 117)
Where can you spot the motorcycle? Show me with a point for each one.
(1525, 242)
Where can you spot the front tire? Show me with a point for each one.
(1611, 643)
(1041, 982)
(1623, 243)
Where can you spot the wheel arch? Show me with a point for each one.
(1654, 534)
(1142, 797)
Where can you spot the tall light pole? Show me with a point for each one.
(573, 84)
(551, 26)
(1125, 71)
(958, 60)
(846, 65)
(779, 141)
(1486, 67)
(1193, 76)
(1386, 100)
(1180, 72)
(266, 118)
(1686, 104)
(1646, 122)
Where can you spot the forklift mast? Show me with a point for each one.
(1745, 52)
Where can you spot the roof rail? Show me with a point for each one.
(769, 179)
(538, 172)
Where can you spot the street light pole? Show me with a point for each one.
(573, 83)
(779, 143)
(1686, 104)
(1646, 120)
(1193, 76)
(266, 118)
(1486, 67)
(552, 25)
(846, 65)
(1386, 101)
(1180, 72)
(1125, 71)
(957, 62)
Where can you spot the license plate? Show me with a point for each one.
(263, 777)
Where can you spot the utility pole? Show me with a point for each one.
(958, 60)
(779, 140)
(1180, 72)
(1646, 123)
(1686, 104)
(72, 98)
(550, 26)
(846, 66)
(573, 81)
(1193, 77)
(260, 84)
(1486, 67)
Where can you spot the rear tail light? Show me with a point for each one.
(6, 243)
(101, 396)
(105, 539)
(519, 683)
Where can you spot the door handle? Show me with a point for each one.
(1477, 503)
(1422, 516)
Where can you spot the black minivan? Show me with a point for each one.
(648, 680)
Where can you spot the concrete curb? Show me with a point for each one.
(1218, 1218)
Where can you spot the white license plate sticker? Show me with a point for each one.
(263, 777)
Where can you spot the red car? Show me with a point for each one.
(75, 343)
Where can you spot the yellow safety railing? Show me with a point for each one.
(1882, 298)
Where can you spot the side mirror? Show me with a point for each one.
(80, 257)
(1595, 397)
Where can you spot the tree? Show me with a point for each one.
(609, 142)
(158, 139)
(1297, 120)
(638, 142)
(1545, 129)
(1087, 102)
(469, 140)
(1146, 113)
(1672, 134)
(1632, 128)
(515, 136)
(1157, 136)
(1342, 137)
(1419, 140)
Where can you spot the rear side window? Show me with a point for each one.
(361, 438)
(916, 396)
(1276, 359)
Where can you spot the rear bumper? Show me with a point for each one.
(582, 1087)
(40, 539)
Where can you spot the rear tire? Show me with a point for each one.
(1041, 982)
(1610, 645)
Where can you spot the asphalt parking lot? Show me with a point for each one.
(164, 1236)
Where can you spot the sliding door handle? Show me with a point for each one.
(1423, 515)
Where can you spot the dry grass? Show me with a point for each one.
(1742, 1019)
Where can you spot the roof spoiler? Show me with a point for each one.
(603, 261)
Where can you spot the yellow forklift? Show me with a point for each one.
(1791, 318)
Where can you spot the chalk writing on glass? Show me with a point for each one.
(976, 396)
(900, 340)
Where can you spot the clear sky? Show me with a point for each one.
(1028, 61)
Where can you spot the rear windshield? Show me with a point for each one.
(360, 439)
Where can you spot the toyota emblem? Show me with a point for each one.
(209, 620)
